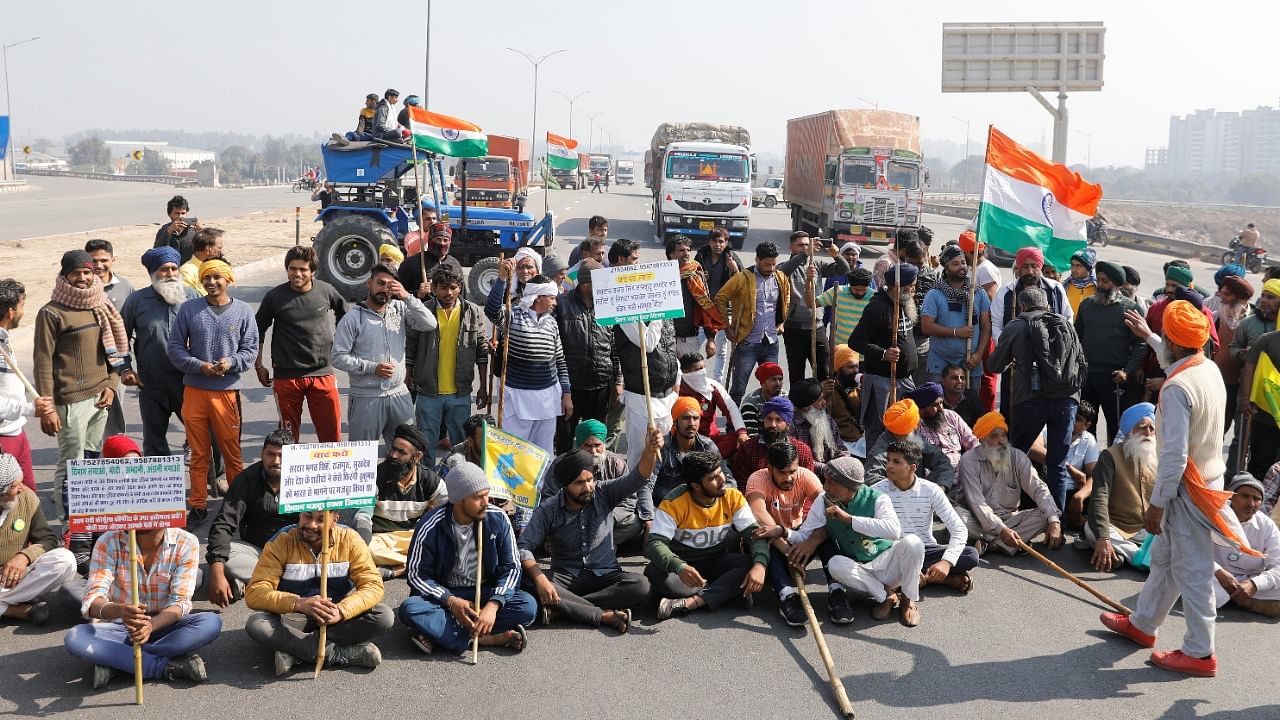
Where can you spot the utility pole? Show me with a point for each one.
(8, 105)
(966, 154)
(591, 139)
(426, 86)
(533, 138)
(571, 100)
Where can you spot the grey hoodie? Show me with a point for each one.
(364, 338)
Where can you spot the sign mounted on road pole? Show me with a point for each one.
(637, 293)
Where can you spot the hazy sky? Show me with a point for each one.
(281, 66)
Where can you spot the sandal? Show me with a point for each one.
(423, 643)
(961, 582)
(544, 615)
(517, 639)
(626, 621)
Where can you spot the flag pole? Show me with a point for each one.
(644, 372)
(422, 232)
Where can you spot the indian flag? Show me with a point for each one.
(446, 135)
(560, 152)
(1029, 201)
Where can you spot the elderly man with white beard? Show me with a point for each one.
(990, 481)
(814, 426)
(1122, 481)
(148, 315)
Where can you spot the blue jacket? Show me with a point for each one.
(432, 554)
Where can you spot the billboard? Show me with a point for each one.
(1010, 57)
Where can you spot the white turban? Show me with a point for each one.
(533, 291)
(528, 252)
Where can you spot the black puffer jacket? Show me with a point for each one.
(588, 346)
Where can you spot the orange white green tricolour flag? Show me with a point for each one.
(1028, 201)
(560, 152)
(446, 135)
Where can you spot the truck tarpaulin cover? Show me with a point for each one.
(668, 133)
(811, 139)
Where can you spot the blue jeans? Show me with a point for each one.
(107, 643)
(746, 356)
(431, 618)
(1059, 416)
(452, 410)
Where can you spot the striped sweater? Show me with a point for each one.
(535, 359)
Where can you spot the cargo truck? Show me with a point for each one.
(854, 174)
(700, 174)
(601, 164)
(499, 179)
(573, 178)
(624, 172)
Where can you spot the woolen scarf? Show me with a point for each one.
(95, 298)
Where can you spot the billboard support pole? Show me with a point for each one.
(1061, 122)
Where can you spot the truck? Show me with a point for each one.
(769, 194)
(624, 172)
(575, 179)
(601, 164)
(499, 179)
(854, 175)
(700, 175)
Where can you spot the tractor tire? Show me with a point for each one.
(481, 278)
(347, 250)
(770, 201)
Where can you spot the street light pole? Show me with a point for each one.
(872, 103)
(591, 137)
(533, 139)
(571, 100)
(8, 106)
(966, 154)
(426, 86)
(1088, 156)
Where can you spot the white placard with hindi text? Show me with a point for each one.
(329, 476)
(143, 493)
(637, 293)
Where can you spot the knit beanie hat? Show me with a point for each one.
(465, 480)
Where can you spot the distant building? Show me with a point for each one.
(1226, 145)
(179, 158)
(1157, 161)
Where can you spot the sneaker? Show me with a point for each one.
(339, 140)
(101, 676)
(189, 667)
(1117, 623)
(196, 516)
(363, 655)
(792, 610)
(839, 607)
(284, 663)
(1178, 661)
(671, 607)
(385, 572)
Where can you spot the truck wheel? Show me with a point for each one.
(347, 250)
(481, 278)
(770, 201)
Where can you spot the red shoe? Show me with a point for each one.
(1117, 623)
(1177, 661)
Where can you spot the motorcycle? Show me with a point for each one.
(1097, 232)
(1254, 259)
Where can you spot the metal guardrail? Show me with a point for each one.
(162, 179)
(1117, 201)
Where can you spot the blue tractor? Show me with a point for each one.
(376, 201)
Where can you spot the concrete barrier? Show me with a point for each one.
(162, 179)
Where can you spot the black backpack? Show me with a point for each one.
(1058, 364)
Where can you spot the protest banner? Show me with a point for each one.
(514, 466)
(329, 476)
(637, 293)
(144, 493)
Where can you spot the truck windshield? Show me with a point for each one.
(859, 172)
(729, 167)
(599, 164)
(903, 175)
(491, 169)
(773, 183)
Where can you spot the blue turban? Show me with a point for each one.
(926, 394)
(908, 272)
(1226, 271)
(155, 257)
(1134, 415)
(780, 405)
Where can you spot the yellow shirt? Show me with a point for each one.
(190, 272)
(450, 321)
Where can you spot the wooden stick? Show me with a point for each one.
(644, 373)
(422, 232)
(1242, 447)
(475, 639)
(1058, 569)
(324, 589)
(8, 360)
(506, 349)
(813, 307)
(137, 649)
(493, 340)
(831, 329)
(837, 685)
(897, 314)
(973, 292)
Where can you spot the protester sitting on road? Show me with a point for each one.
(81, 543)
(779, 496)
(916, 502)
(206, 244)
(813, 426)
(1246, 581)
(779, 415)
(286, 580)
(162, 623)
(694, 560)
(586, 583)
(901, 422)
(634, 514)
(942, 428)
(1122, 481)
(251, 511)
(446, 563)
(683, 439)
(34, 562)
(770, 377)
(841, 393)
(408, 487)
(856, 532)
(990, 481)
(712, 399)
(179, 233)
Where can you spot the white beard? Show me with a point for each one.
(998, 457)
(1165, 355)
(171, 291)
(1141, 451)
(824, 445)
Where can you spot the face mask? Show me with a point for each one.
(698, 381)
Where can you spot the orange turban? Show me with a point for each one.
(991, 421)
(685, 404)
(1185, 326)
(902, 417)
(969, 241)
(844, 356)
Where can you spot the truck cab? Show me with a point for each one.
(491, 182)
(600, 165)
(624, 172)
(871, 192)
(699, 186)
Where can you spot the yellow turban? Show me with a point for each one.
(991, 421)
(844, 356)
(1272, 286)
(902, 417)
(1185, 325)
(391, 251)
(685, 404)
(219, 266)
